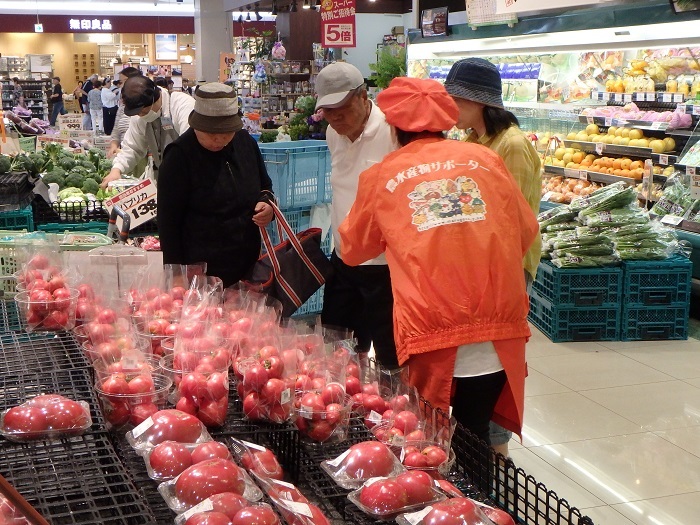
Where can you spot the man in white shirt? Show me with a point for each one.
(109, 105)
(157, 119)
(360, 297)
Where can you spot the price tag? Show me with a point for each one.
(681, 108)
(595, 95)
(617, 97)
(286, 396)
(667, 97)
(254, 446)
(599, 147)
(142, 427)
(673, 220)
(297, 507)
(678, 97)
(583, 175)
(663, 160)
(414, 518)
(690, 170)
(608, 121)
(204, 506)
(337, 461)
(696, 110)
(571, 173)
(140, 202)
(546, 196)
(627, 97)
(590, 120)
(657, 125)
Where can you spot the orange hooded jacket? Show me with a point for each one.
(455, 227)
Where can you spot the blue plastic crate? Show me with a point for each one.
(655, 323)
(312, 306)
(298, 170)
(574, 324)
(656, 283)
(573, 287)
(299, 220)
(17, 220)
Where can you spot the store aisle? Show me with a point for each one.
(614, 428)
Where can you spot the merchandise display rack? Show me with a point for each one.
(22, 352)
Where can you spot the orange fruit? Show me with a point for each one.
(625, 173)
(625, 163)
(617, 164)
(636, 165)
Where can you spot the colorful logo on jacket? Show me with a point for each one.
(446, 201)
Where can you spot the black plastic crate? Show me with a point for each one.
(574, 287)
(55, 212)
(13, 184)
(147, 488)
(655, 323)
(657, 283)
(9, 317)
(74, 481)
(75, 384)
(39, 352)
(574, 324)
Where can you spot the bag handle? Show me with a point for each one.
(276, 268)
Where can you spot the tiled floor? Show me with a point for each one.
(614, 428)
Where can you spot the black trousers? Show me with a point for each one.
(109, 115)
(474, 400)
(360, 298)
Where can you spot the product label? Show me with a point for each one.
(627, 97)
(306, 412)
(414, 518)
(140, 202)
(253, 446)
(678, 97)
(583, 175)
(667, 97)
(204, 506)
(599, 147)
(142, 427)
(337, 461)
(286, 396)
(297, 507)
(696, 110)
(617, 97)
(374, 417)
(674, 220)
(690, 170)
(663, 160)
(590, 120)
(608, 121)
(681, 108)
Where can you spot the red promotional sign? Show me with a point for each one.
(338, 23)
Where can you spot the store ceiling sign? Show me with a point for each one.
(338, 23)
(524, 6)
(75, 24)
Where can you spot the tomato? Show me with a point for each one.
(29, 420)
(258, 515)
(369, 459)
(352, 370)
(384, 496)
(38, 262)
(208, 518)
(399, 403)
(194, 386)
(65, 415)
(107, 316)
(213, 413)
(169, 459)
(84, 309)
(115, 384)
(274, 366)
(374, 402)
(334, 413)
(320, 431)
(271, 392)
(228, 503)
(153, 292)
(185, 361)
(252, 407)
(406, 421)
(263, 463)
(45, 400)
(255, 377)
(498, 516)
(116, 412)
(187, 405)
(62, 298)
(461, 509)
(278, 413)
(333, 393)
(99, 333)
(418, 486)
(318, 383)
(416, 435)
(244, 324)
(370, 389)
(217, 385)
(56, 320)
(142, 412)
(312, 405)
(177, 292)
(415, 460)
(174, 425)
(210, 450)
(207, 478)
(435, 455)
(141, 384)
(85, 291)
(56, 282)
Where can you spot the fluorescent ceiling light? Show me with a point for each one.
(100, 8)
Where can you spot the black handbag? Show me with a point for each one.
(293, 270)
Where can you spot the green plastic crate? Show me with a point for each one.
(657, 283)
(655, 323)
(573, 287)
(61, 227)
(17, 220)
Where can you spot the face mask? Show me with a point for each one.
(151, 116)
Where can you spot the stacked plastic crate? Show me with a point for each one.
(577, 304)
(300, 173)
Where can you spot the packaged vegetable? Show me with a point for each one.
(616, 217)
(609, 201)
(48, 416)
(167, 425)
(361, 462)
(675, 199)
(557, 215)
(596, 197)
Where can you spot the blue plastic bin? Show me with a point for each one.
(299, 220)
(299, 171)
(657, 283)
(570, 287)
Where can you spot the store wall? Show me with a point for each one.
(371, 28)
(60, 45)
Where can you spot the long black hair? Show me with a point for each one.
(497, 120)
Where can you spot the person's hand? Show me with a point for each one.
(263, 214)
(113, 148)
(114, 174)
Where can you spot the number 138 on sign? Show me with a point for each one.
(341, 35)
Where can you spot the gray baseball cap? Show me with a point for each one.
(336, 83)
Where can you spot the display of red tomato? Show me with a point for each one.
(168, 459)
(317, 517)
(207, 478)
(368, 459)
(46, 413)
(406, 421)
(173, 425)
(455, 511)
(208, 518)
(258, 515)
(384, 496)
(228, 503)
(418, 486)
(263, 463)
(435, 455)
(25, 420)
(498, 516)
(210, 450)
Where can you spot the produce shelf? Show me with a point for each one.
(9, 317)
(74, 481)
(35, 352)
(601, 148)
(75, 384)
(592, 176)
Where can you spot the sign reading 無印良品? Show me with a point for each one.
(95, 24)
(338, 23)
(524, 6)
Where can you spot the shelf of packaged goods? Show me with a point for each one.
(601, 148)
(606, 122)
(650, 96)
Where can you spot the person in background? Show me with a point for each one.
(109, 106)
(171, 85)
(56, 101)
(17, 93)
(186, 88)
(84, 90)
(95, 103)
(157, 119)
(121, 121)
(214, 190)
(475, 86)
(455, 228)
(161, 82)
(358, 298)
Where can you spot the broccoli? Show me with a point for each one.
(87, 165)
(22, 163)
(90, 186)
(80, 170)
(97, 177)
(55, 177)
(105, 165)
(67, 163)
(38, 161)
(75, 180)
(5, 164)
